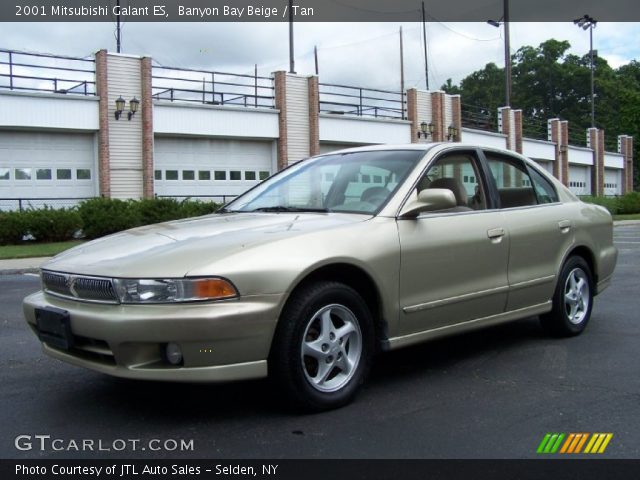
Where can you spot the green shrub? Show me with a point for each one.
(156, 210)
(102, 216)
(13, 226)
(53, 225)
(191, 208)
(610, 203)
(629, 203)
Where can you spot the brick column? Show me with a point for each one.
(456, 116)
(280, 85)
(437, 116)
(625, 147)
(596, 143)
(564, 151)
(314, 116)
(104, 172)
(412, 113)
(504, 125)
(146, 105)
(553, 134)
(558, 133)
(517, 127)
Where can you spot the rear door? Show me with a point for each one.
(539, 228)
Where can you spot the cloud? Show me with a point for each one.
(364, 54)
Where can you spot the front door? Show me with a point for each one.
(453, 265)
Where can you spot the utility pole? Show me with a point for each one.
(507, 51)
(507, 56)
(315, 57)
(424, 39)
(118, 30)
(401, 75)
(292, 63)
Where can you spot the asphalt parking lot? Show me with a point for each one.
(491, 394)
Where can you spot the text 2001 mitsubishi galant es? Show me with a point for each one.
(311, 272)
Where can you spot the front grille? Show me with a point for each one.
(79, 287)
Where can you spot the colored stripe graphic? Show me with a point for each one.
(598, 442)
(550, 443)
(573, 443)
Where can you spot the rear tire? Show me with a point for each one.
(323, 346)
(572, 300)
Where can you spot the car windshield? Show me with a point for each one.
(357, 182)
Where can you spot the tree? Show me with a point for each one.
(549, 83)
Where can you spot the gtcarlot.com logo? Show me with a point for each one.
(574, 443)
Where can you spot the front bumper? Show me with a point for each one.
(220, 341)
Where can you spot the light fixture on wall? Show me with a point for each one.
(426, 129)
(134, 103)
(120, 102)
(452, 132)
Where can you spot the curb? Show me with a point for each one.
(18, 271)
(625, 223)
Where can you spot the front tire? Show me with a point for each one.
(572, 300)
(323, 346)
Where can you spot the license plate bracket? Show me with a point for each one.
(54, 327)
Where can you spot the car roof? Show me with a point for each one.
(416, 146)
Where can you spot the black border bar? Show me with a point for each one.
(316, 10)
(317, 469)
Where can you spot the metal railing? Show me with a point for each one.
(12, 204)
(534, 128)
(212, 88)
(209, 198)
(479, 118)
(367, 102)
(41, 72)
(577, 135)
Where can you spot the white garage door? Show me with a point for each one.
(612, 181)
(332, 147)
(580, 179)
(192, 167)
(59, 166)
(548, 166)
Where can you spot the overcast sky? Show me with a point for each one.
(363, 54)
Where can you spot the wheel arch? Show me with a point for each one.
(356, 278)
(586, 253)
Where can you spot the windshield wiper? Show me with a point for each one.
(282, 208)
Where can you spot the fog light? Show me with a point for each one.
(173, 354)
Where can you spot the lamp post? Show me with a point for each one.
(507, 52)
(586, 22)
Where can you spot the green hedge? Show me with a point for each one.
(13, 226)
(610, 203)
(53, 225)
(628, 203)
(95, 218)
(102, 216)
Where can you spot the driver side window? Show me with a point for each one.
(457, 172)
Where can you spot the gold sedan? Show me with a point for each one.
(306, 276)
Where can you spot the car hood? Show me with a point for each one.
(173, 249)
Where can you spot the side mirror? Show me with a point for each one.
(429, 200)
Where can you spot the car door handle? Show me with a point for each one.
(564, 225)
(495, 234)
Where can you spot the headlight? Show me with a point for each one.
(170, 290)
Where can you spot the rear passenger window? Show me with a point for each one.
(543, 187)
(513, 181)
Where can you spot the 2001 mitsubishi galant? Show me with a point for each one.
(311, 272)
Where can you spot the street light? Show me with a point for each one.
(507, 52)
(589, 23)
